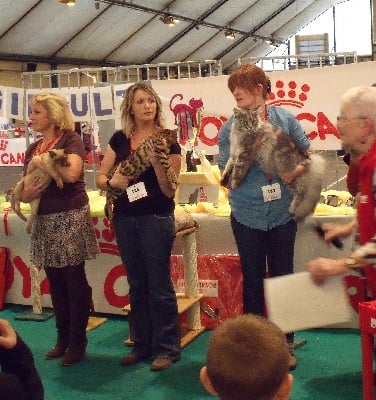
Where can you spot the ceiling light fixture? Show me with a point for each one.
(168, 20)
(230, 34)
(69, 3)
(272, 43)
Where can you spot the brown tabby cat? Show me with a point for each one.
(253, 139)
(138, 161)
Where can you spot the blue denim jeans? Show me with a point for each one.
(145, 244)
(263, 253)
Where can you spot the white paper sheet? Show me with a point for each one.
(294, 302)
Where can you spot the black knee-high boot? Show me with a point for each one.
(59, 298)
(79, 309)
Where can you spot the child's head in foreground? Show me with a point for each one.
(247, 358)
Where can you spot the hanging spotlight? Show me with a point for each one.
(168, 20)
(69, 3)
(272, 43)
(230, 34)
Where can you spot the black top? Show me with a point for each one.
(155, 202)
(19, 362)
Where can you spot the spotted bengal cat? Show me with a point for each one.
(138, 161)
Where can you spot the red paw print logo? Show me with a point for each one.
(3, 144)
(290, 95)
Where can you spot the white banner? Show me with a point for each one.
(199, 106)
(12, 152)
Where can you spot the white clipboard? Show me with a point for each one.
(294, 302)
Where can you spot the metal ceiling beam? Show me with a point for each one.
(113, 50)
(273, 15)
(259, 26)
(184, 18)
(80, 31)
(57, 60)
(22, 17)
(185, 31)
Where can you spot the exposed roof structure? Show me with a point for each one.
(116, 32)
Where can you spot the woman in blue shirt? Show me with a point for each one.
(264, 230)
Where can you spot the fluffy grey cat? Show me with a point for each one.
(253, 139)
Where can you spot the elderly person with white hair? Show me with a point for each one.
(356, 124)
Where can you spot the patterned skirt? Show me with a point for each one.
(61, 239)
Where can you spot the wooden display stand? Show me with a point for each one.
(189, 301)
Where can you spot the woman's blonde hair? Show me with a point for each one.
(127, 118)
(247, 77)
(57, 107)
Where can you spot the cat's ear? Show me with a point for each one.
(236, 111)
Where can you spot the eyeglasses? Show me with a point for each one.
(340, 118)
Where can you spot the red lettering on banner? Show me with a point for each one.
(22, 267)
(12, 158)
(108, 246)
(324, 125)
(109, 284)
(217, 122)
(9, 276)
(25, 273)
(45, 287)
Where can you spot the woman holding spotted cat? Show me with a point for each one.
(143, 217)
(62, 235)
(262, 225)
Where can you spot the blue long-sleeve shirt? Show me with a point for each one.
(247, 201)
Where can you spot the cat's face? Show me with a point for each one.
(246, 119)
(169, 135)
(59, 156)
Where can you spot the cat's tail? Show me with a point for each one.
(29, 224)
(313, 180)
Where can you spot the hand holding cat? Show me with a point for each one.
(153, 157)
(32, 191)
(120, 181)
(289, 177)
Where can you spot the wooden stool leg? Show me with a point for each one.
(367, 365)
